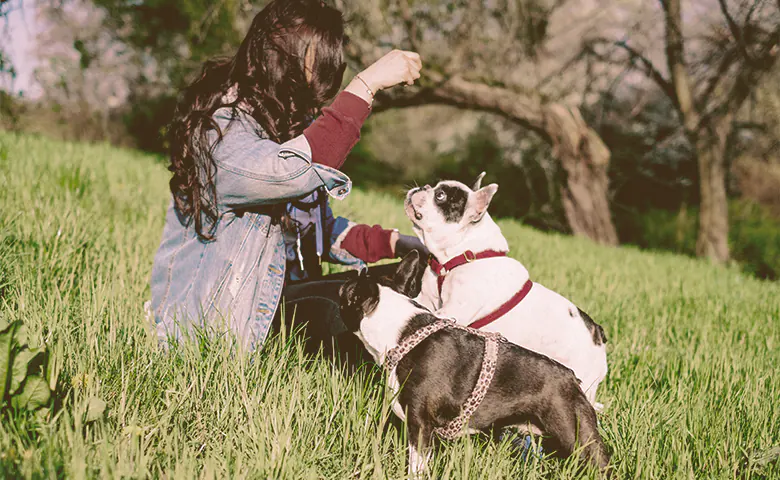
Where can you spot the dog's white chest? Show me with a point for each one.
(395, 387)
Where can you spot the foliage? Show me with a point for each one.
(26, 377)
(8, 102)
(148, 120)
(9, 110)
(116, 65)
(755, 239)
(652, 165)
(754, 236)
(179, 35)
(708, 100)
(365, 169)
(693, 351)
(526, 190)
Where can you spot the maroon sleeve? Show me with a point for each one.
(337, 130)
(367, 243)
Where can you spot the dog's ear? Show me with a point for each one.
(363, 284)
(482, 198)
(358, 298)
(407, 279)
(478, 182)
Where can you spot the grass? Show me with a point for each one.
(693, 389)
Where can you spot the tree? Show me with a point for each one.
(178, 36)
(8, 114)
(473, 53)
(708, 94)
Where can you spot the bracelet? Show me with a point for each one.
(370, 92)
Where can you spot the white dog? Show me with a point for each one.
(478, 285)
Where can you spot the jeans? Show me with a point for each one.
(313, 307)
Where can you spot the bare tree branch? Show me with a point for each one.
(750, 12)
(735, 30)
(726, 62)
(635, 60)
(748, 77)
(650, 70)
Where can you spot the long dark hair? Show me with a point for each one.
(288, 65)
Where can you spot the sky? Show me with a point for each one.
(22, 30)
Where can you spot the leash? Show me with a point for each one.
(455, 426)
(441, 271)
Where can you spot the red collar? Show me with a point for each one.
(467, 257)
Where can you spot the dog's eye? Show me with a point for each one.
(440, 196)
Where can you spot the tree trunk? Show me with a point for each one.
(708, 136)
(713, 236)
(585, 159)
(579, 148)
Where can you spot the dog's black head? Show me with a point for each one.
(360, 296)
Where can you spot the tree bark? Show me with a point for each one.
(713, 235)
(583, 155)
(585, 159)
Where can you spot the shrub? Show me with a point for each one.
(755, 239)
(754, 235)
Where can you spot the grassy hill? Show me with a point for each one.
(693, 389)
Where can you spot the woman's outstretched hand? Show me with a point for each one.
(396, 67)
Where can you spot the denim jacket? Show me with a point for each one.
(234, 283)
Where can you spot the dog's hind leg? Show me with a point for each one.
(593, 449)
(573, 423)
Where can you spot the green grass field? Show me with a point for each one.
(693, 389)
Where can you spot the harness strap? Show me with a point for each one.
(468, 256)
(488, 369)
(486, 373)
(505, 308)
(399, 351)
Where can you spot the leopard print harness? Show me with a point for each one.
(454, 428)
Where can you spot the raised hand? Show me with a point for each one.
(395, 67)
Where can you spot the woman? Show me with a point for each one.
(249, 221)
